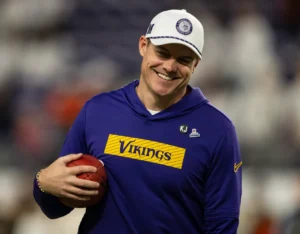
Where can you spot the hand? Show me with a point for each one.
(61, 181)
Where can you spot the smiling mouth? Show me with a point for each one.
(164, 77)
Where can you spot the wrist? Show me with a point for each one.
(38, 180)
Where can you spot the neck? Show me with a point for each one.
(156, 102)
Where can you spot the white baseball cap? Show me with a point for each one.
(179, 27)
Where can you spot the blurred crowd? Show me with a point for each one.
(55, 55)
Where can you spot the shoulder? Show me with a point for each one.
(218, 115)
(214, 119)
(105, 99)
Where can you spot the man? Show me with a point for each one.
(172, 159)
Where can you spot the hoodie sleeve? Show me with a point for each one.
(224, 187)
(74, 143)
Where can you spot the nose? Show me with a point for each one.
(170, 65)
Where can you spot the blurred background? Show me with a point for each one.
(54, 55)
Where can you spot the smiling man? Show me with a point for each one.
(172, 159)
(171, 50)
(166, 71)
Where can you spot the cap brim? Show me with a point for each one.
(164, 41)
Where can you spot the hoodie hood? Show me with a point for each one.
(187, 104)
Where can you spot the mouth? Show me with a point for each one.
(165, 77)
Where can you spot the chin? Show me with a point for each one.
(162, 91)
(165, 88)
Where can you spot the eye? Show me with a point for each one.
(184, 61)
(163, 54)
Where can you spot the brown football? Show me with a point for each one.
(98, 176)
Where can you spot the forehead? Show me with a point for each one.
(177, 50)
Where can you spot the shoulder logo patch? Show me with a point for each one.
(237, 166)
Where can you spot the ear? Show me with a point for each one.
(195, 65)
(143, 43)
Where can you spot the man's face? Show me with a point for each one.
(166, 69)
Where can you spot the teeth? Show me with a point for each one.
(164, 76)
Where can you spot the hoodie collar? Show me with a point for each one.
(188, 103)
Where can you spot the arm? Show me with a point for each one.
(59, 181)
(49, 204)
(224, 187)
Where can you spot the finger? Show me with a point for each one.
(82, 169)
(82, 192)
(71, 157)
(77, 197)
(88, 184)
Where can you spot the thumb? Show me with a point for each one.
(71, 157)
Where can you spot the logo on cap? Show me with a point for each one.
(184, 26)
(149, 30)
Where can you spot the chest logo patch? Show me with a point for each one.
(145, 150)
